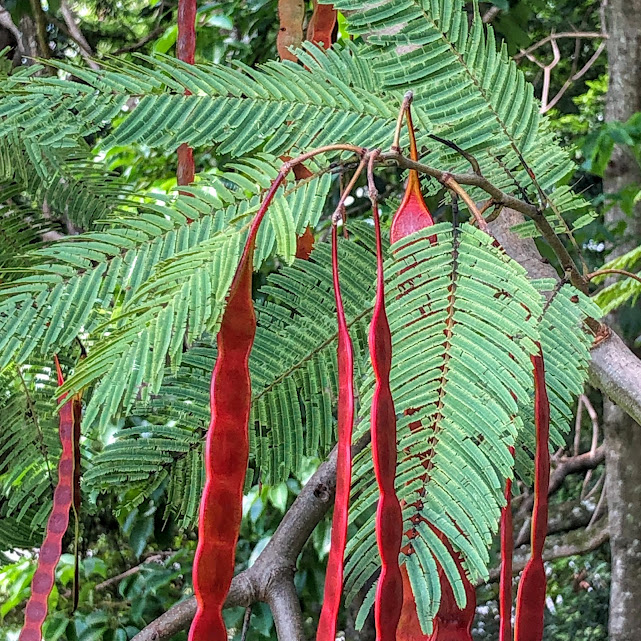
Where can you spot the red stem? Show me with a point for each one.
(507, 550)
(43, 579)
(530, 600)
(334, 574)
(186, 51)
(227, 447)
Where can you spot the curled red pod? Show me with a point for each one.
(334, 574)
(43, 579)
(530, 600)
(227, 447)
(320, 29)
(389, 516)
(507, 550)
(412, 213)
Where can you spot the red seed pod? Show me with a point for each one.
(530, 600)
(321, 25)
(44, 577)
(227, 448)
(412, 213)
(389, 516)
(451, 623)
(334, 574)
(305, 244)
(186, 51)
(291, 14)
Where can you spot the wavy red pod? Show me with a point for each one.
(507, 550)
(530, 600)
(320, 29)
(334, 574)
(186, 51)
(389, 516)
(227, 447)
(43, 579)
(291, 14)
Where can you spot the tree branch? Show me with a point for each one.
(559, 547)
(266, 579)
(614, 369)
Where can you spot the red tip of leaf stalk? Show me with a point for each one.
(43, 579)
(389, 517)
(227, 447)
(334, 574)
(530, 600)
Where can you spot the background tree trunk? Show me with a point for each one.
(622, 434)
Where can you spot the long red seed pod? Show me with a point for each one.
(334, 575)
(77, 417)
(186, 51)
(389, 516)
(530, 600)
(321, 25)
(227, 447)
(412, 213)
(43, 579)
(291, 14)
(507, 550)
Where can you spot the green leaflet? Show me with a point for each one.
(134, 290)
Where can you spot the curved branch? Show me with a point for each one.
(265, 580)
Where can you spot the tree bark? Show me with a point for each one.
(622, 434)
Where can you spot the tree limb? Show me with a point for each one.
(614, 368)
(559, 547)
(266, 580)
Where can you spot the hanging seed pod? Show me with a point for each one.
(389, 516)
(320, 29)
(507, 550)
(412, 214)
(43, 579)
(227, 447)
(530, 600)
(334, 573)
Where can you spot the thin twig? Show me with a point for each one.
(622, 272)
(449, 182)
(452, 145)
(559, 36)
(405, 105)
(246, 619)
(338, 212)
